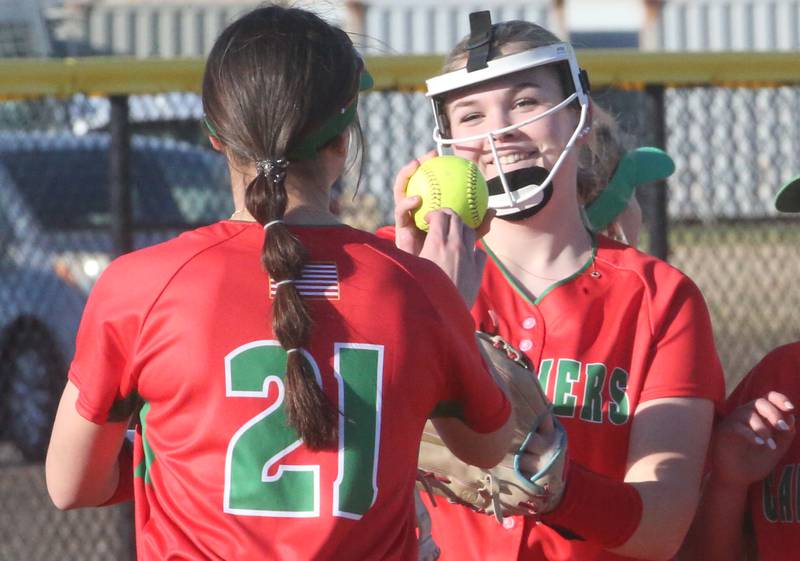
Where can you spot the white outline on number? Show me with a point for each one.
(378, 410)
(314, 469)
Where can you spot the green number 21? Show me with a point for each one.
(253, 485)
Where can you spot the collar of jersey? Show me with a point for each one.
(538, 299)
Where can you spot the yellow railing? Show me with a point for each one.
(30, 78)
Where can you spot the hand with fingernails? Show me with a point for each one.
(751, 439)
(449, 242)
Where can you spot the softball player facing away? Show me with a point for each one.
(282, 411)
(621, 341)
(749, 509)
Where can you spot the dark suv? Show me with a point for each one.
(55, 241)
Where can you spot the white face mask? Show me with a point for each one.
(520, 191)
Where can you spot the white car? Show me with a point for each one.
(55, 240)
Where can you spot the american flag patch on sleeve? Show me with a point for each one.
(319, 280)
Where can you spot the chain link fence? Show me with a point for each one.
(733, 148)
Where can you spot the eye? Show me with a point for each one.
(469, 117)
(525, 102)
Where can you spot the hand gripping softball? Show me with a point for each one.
(504, 489)
(449, 182)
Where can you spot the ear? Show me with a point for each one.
(215, 143)
(341, 143)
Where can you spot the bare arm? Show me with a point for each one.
(666, 454)
(748, 444)
(81, 466)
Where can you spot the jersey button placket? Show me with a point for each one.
(531, 337)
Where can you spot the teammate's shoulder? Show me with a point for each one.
(777, 371)
(382, 244)
(430, 279)
(649, 269)
(159, 261)
(789, 352)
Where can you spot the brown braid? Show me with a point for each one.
(272, 77)
(308, 409)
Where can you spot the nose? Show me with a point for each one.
(502, 120)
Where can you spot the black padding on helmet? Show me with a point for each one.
(517, 179)
(480, 40)
(584, 78)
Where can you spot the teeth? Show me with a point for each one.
(508, 159)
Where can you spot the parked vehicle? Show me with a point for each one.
(55, 242)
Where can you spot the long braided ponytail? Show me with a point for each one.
(275, 78)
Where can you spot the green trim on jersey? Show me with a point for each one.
(143, 469)
(522, 292)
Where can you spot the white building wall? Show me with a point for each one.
(426, 26)
(22, 30)
(730, 25)
(188, 28)
(152, 30)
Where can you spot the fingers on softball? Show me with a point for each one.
(404, 205)
(405, 173)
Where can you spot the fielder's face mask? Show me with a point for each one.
(522, 192)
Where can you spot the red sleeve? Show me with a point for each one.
(684, 357)
(104, 347)
(386, 233)
(778, 371)
(483, 404)
(480, 402)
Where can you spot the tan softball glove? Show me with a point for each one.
(504, 489)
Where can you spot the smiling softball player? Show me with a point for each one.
(620, 341)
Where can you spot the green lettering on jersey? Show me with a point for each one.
(143, 469)
(785, 493)
(360, 398)
(796, 503)
(564, 400)
(544, 373)
(257, 482)
(592, 409)
(769, 505)
(619, 408)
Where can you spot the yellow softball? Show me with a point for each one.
(449, 182)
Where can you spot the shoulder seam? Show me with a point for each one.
(174, 274)
(410, 276)
(616, 266)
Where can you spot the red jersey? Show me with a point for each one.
(625, 329)
(775, 502)
(186, 325)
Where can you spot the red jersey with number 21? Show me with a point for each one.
(626, 329)
(219, 475)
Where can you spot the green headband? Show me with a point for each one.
(788, 198)
(308, 147)
(636, 167)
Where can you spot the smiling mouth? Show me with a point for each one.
(513, 158)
